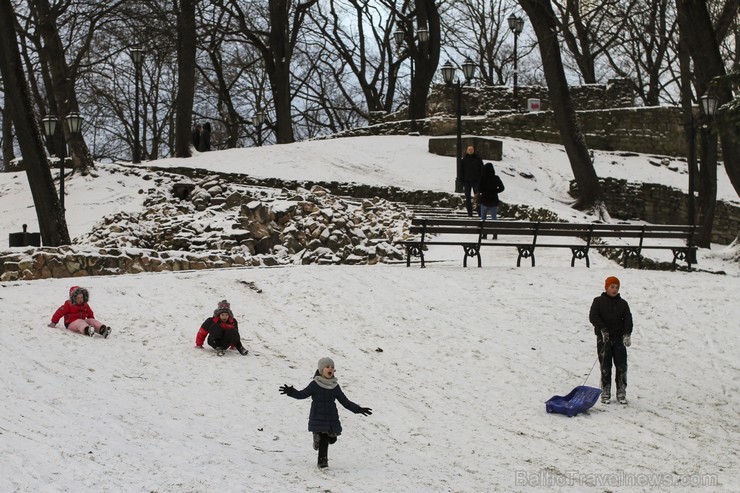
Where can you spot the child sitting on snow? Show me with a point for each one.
(323, 419)
(222, 330)
(78, 316)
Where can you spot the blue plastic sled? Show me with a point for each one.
(578, 400)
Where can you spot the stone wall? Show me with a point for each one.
(75, 261)
(647, 130)
(660, 204)
(487, 148)
(481, 100)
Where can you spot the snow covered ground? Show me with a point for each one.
(456, 363)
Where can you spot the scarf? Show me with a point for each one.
(325, 383)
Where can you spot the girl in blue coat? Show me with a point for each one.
(323, 420)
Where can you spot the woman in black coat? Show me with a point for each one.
(490, 186)
(323, 419)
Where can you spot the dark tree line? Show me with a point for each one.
(322, 67)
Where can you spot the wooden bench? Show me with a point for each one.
(632, 239)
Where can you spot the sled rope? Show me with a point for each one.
(592, 369)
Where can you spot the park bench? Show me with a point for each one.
(527, 236)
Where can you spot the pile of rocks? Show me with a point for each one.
(274, 225)
(222, 224)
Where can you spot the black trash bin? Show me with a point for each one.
(24, 238)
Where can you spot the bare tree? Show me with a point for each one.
(410, 19)
(701, 41)
(48, 211)
(186, 48)
(63, 75)
(590, 29)
(6, 138)
(645, 49)
(274, 33)
(545, 26)
(360, 34)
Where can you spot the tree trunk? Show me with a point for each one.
(697, 32)
(426, 56)
(186, 43)
(63, 82)
(8, 152)
(545, 26)
(53, 227)
(279, 75)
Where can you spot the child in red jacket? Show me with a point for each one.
(222, 330)
(78, 316)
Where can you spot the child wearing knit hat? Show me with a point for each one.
(612, 320)
(222, 330)
(323, 420)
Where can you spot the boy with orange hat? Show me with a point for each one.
(612, 321)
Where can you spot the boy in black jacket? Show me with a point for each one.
(323, 420)
(612, 321)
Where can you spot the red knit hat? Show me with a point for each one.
(611, 280)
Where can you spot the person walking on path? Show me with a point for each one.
(472, 166)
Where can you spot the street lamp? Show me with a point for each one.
(50, 126)
(74, 123)
(708, 105)
(448, 73)
(257, 120)
(137, 55)
(516, 25)
(399, 36)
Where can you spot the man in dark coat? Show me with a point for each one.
(196, 136)
(205, 138)
(612, 321)
(472, 167)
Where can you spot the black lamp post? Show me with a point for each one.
(74, 124)
(448, 73)
(137, 55)
(50, 127)
(708, 108)
(257, 120)
(398, 36)
(516, 24)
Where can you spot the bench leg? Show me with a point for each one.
(579, 253)
(471, 250)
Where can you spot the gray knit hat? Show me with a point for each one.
(324, 362)
(223, 307)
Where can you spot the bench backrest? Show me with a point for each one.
(447, 225)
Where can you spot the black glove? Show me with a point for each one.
(287, 390)
(605, 336)
(365, 411)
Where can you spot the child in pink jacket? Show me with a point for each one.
(78, 316)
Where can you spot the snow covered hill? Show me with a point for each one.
(456, 363)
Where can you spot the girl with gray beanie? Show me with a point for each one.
(323, 419)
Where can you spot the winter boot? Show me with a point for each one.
(104, 331)
(622, 397)
(242, 350)
(323, 450)
(90, 330)
(606, 395)
(220, 351)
